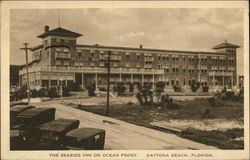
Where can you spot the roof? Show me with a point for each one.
(83, 133)
(60, 125)
(147, 49)
(226, 45)
(34, 112)
(59, 32)
(36, 47)
(20, 108)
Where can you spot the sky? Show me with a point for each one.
(158, 28)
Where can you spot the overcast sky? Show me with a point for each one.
(177, 29)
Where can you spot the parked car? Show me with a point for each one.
(85, 139)
(25, 133)
(17, 109)
(52, 134)
(18, 103)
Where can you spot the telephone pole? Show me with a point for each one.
(108, 66)
(27, 69)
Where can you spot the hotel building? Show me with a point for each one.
(59, 57)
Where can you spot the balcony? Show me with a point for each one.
(62, 55)
(220, 74)
(149, 59)
(112, 57)
(102, 70)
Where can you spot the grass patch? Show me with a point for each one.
(198, 109)
(223, 140)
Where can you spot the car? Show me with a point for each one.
(18, 103)
(17, 109)
(26, 129)
(85, 139)
(52, 134)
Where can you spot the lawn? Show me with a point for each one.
(197, 110)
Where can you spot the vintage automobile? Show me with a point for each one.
(85, 139)
(52, 133)
(25, 133)
(17, 109)
(15, 137)
(18, 103)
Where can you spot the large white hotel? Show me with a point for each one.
(59, 57)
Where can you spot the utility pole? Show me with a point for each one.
(108, 66)
(27, 69)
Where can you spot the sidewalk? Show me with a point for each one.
(125, 136)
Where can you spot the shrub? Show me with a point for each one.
(167, 102)
(43, 92)
(177, 88)
(91, 90)
(195, 86)
(74, 87)
(34, 93)
(160, 85)
(205, 88)
(121, 89)
(131, 87)
(102, 89)
(66, 91)
(21, 92)
(52, 92)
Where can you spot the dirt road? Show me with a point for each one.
(124, 136)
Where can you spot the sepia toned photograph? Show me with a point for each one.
(127, 79)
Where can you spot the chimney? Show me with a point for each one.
(140, 46)
(46, 28)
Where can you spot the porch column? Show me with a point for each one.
(153, 81)
(232, 81)
(82, 79)
(142, 80)
(96, 80)
(120, 75)
(49, 80)
(66, 83)
(57, 80)
(223, 80)
(132, 78)
(213, 80)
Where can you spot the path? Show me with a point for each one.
(122, 135)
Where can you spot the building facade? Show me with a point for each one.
(60, 58)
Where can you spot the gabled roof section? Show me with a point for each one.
(59, 32)
(226, 45)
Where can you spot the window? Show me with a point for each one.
(184, 70)
(138, 57)
(92, 64)
(137, 66)
(46, 42)
(177, 82)
(127, 56)
(177, 69)
(79, 54)
(66, 63)
(115, 65)
(101, 64)
(189, 82)
(159, 66)
(184, 81)
(173, 70)
(164, 58)
(62, 40)
(159, 58)
(92, 54)
(172, 82)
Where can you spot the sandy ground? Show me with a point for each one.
(121, 135)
